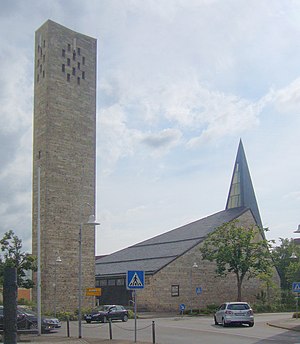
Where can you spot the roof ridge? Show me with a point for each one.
(166, 242)
(136, 259)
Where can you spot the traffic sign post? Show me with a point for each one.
(296, 289)
(93, 291)
(198, 290)
(135, 279)
(182, 308)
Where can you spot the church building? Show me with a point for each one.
(172, 263)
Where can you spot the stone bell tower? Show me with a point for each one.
(64, 153)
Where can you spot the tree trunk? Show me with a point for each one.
(239, 288)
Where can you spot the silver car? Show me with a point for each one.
(234, 313)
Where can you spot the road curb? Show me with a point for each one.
(291, 328)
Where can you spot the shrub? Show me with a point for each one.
(131, 314)
(63, 316)
(296, 315)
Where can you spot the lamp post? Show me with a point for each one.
(195, 266)
(38, 275)
(295, 257)
(91, 222)
(57, 260)
(298, 230)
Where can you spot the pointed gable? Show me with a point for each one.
(241, 191)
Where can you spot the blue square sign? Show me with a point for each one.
(296, 287)
(135, 279)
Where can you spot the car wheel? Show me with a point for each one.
(251, 324)
(215, 319)
(104, 320)
(125, 318)
(224, 323)
(88, 321)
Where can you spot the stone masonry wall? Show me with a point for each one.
(65, 149)
(157, 293)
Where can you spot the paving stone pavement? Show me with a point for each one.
(288, 324)
(65, 340)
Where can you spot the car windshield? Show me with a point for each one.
(26, 311)
(238, 306)
(104, 308)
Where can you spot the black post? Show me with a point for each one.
(110, 329)
(68, 327)
(10, 305)
(153, 332)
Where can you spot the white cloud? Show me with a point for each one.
(173, 75)
(287, 100)
(116, 140)
(163, 141)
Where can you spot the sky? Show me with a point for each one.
(179, 83)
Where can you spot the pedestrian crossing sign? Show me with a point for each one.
(135, 279)
(296, 287)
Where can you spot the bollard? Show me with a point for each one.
(110, 329)
(10, 305)
(68, 327)
(153, 332)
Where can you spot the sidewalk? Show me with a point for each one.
(291, 324)
(65, 340)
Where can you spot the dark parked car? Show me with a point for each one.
(27, 320)
(234, 313)
(106, 312)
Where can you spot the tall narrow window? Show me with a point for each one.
(63, 67)
(63, 53)
(78, 51)
(78, 65)
(68, 77)
(74, 56)
(83, 60)
(68, 62)
(73, 71)
(78, 81)
(69, 47)
(83, 75)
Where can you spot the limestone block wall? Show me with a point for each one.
(65, 150)
(157, 294)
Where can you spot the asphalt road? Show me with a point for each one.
(190, 330)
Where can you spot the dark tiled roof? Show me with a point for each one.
(153, 254)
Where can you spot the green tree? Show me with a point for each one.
(238, 250)
(13, 256)
(288, 268)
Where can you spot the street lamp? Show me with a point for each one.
(57, 260)
(195, 266)
(295, 257)
(298, 230)
(91, 222)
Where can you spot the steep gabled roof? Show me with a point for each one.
(241, 191)
(153, 254)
